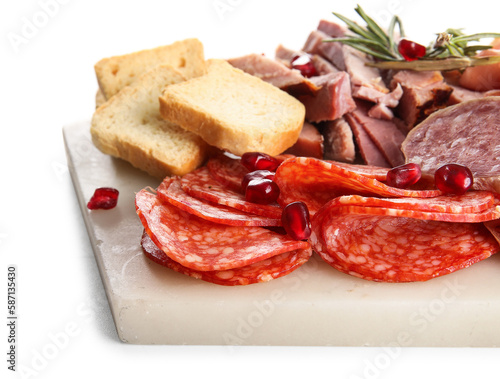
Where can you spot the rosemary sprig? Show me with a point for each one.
(450, 51)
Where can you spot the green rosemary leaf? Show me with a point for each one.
(475, 37)
(372, 45)
(353, 27)
(363, 48)
(472, 50)
(455, 51)
(390, 32)
(372, 25)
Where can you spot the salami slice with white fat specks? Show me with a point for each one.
(261, 271)
(315, 182)
(227, 171)
(230, 172)
(466, 134)
(204, 245)
(397, 249)
(202, 185)
(170, 190)
(473, 202)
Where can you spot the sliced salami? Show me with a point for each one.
(315, 182)
(170, 190)
(470, 202)
(261, 271)
(466, 134)
(490, 214)
(227, 171)
(204, 245)
(202, 185)
(397, 249)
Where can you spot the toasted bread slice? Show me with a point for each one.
(234, 111)
(129, 126)
(117, 72)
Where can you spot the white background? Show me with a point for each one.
(47, 81)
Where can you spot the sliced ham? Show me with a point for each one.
(384, 133)
(331, 28)
(275, 73)
(309, 144)
(368, 150)
(332, 51)
(339, 141)
(381, 111)
(482, 78)
(322, 65)
(423, 93)
(332, 101)
(461, 94)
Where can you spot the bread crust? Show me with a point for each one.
(115, 73)
(129, 126)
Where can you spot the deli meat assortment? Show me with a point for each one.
(412, 192)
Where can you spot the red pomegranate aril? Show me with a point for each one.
(304, 64)
(103, 198)
(262, 191)
(296, 221)
(404, 176)
(410, 50)
(259, 174)
(259, 161)
(453, 179)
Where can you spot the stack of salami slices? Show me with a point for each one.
(367, 229)
(201, 225)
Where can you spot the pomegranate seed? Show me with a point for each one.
(404, 176)
(103, 198)
(296, 221)
(262, 191)
(259, 174)
(304, 64)
(453, 179)
(259, 161)
(410, 50)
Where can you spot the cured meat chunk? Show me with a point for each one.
(384, 133)
(397, 249)
(322, 66)
(332, 51)
(202, 185)
(424, 92)
(370, 153)
(482, 78)
(331, 28)
(309, 144)
(332, 101)
(262, 271)
(204, 245)
(170, 190)
(339, 141)
(316, 182)
(461, 94)
(466, 134)
(275, 73)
